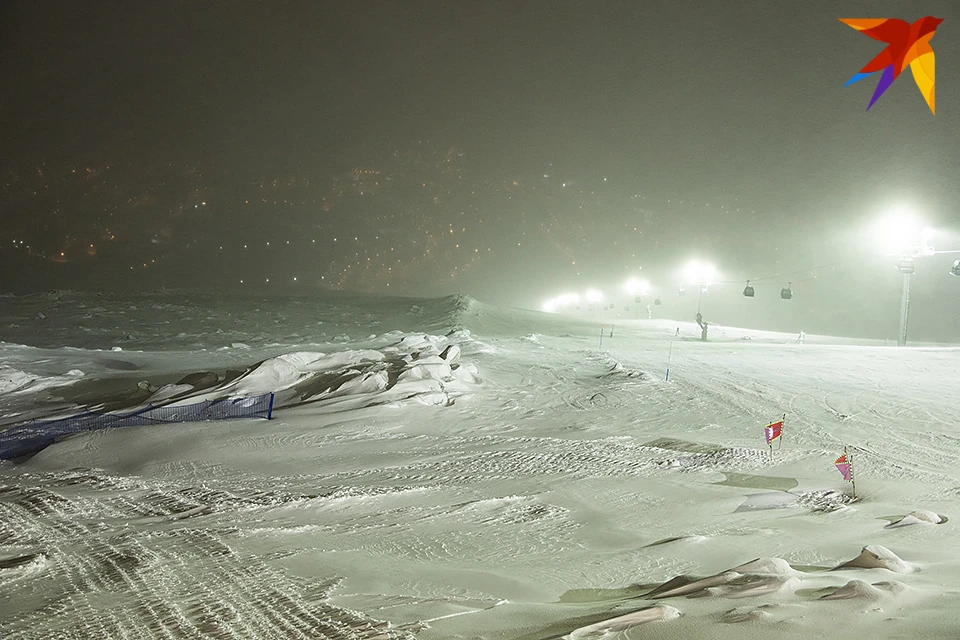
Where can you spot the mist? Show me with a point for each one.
(511, 153)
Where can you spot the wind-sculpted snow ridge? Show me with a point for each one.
(626, 622)
(418, 367)
(794, 593)
(16, 381)
(460, 306)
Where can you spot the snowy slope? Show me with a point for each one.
(544, 494)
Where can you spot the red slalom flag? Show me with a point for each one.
(773, 431)
(844, 467)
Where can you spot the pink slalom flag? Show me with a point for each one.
(773, 431)
(845, 467)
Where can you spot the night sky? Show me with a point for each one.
(509, 150)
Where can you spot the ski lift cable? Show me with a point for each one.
(792, 281)
(790, 273)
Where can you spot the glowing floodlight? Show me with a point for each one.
(926, 241)
(901, 234)
(550, 306)
(701, 273)
(635, 287)
(567, 299)
(895, 232)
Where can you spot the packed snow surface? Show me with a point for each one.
(442, 468)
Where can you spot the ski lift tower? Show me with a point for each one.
(637, 289)
(905, 239)
(701, 274)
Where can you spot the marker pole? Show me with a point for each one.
(853, 478)
(669, 354)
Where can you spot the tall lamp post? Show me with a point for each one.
(636, 288)
(701, 274)
(905, 266)
(904, 238)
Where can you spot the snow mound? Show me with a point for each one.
(877, 557)
(774, 566)
(628, 621)
(762, 576)
(418, 367)
(11, 379)
(917, 517)
(746, 614)
(862, 590)
(22, 566)
(824, 501)
(752, 586)
(16, 381)
(695, 586)
(765, 613)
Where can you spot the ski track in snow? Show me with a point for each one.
(556, 472)
(105, 578)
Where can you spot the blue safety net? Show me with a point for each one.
(30, 437)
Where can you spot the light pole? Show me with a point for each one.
(905, 266)
(701, 274)
(593, 297)
(636, 288)
(904, 238)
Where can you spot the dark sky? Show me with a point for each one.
(728, 101)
